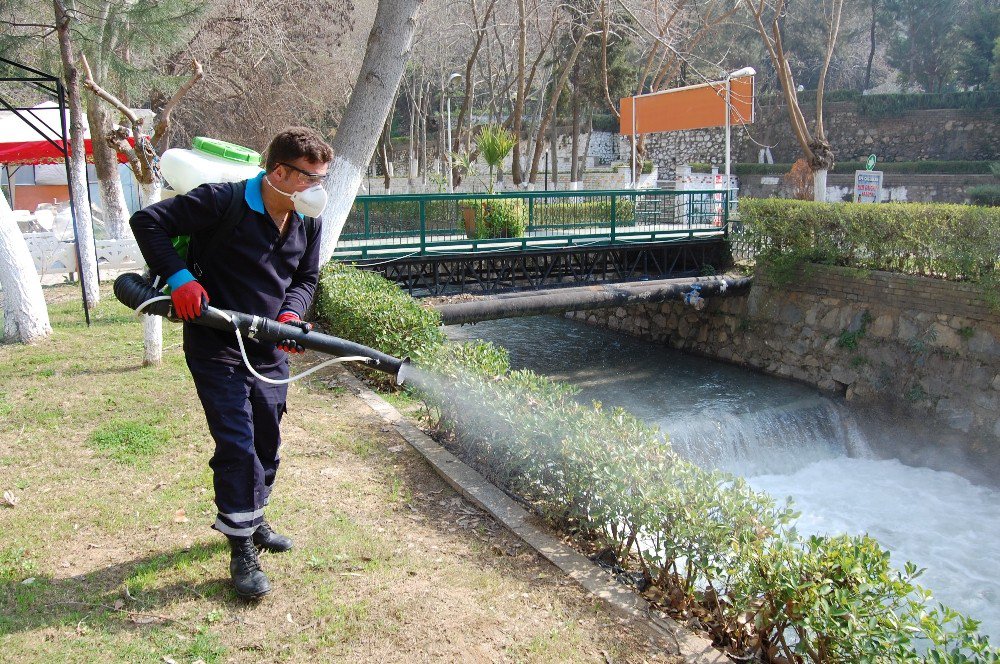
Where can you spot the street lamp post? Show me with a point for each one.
(451, 165)
(739, 73)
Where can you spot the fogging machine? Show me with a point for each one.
(135, 292)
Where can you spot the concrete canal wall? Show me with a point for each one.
(910, 345)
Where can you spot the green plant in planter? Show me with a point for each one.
(494, 218)
(505, 217)
(489, 218)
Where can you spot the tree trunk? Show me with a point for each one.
(554, 148)
(574, 169)
(553, 103)
(586, 145)
(152, 326)
(819, 185)
(871, 50)
(522, 35)
(78, 163)
(386, 55)
(106, 164)
(425, 110)
(411, 148)
(25, 318)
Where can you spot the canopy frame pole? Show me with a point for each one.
(60, 94)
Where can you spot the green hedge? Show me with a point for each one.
(496, 217)
(701, 537)
(881, 106)
(606, 122)
(366, 308)
(586, 213)
(986, 194)
(848, 167)
(959, 242)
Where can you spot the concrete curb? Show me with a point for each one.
(472, 486)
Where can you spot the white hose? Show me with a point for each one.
(243, 350)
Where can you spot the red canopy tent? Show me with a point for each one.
(42, 152)
(35, 137)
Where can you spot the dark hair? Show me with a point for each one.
(293, 143)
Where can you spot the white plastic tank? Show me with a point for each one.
(210, 160)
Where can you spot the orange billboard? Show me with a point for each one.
(691, 107)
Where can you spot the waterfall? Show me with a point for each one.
(781, 439)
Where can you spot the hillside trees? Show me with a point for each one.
(922, 46)
(269, 64)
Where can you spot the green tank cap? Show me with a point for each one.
(230, 151)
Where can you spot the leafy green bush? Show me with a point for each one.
(844, 602)
(712, 545)
(957, 242)
(887, 105)
(647, 166)
(848, 167)
(583, 214)
(497, 217)
(368, 309)
(985, 194)
(605, 122)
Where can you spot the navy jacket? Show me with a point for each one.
(256, 271)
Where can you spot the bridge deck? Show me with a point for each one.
(401, 227)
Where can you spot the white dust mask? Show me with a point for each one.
(309, 202)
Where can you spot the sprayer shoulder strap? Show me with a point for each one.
(231, 218)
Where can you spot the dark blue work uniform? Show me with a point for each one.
(256, 271)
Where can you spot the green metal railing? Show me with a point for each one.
(423, 224)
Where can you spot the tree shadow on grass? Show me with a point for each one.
(100, 597)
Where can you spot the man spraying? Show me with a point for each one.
(254, 247)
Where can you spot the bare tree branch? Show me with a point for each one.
(163, 117)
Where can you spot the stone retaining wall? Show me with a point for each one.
(912, 344)
(946, 134)
(897, 187)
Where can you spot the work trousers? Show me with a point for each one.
(244, 414)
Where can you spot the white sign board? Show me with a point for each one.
(867, 186)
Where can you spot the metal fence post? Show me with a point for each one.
(423, 227)
(368, 228)
(614, 215)
(725, 214)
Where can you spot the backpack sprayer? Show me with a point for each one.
(136, 293)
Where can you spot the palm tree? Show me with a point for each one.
(495, 142)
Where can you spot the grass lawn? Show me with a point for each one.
(106, 552)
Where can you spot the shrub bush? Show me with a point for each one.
(497, 217)
(848, 168)
(715, 548)
(985, 194)
(368, 309)
(957, 242)
(888, 105)
(583, 214)
(605, 122)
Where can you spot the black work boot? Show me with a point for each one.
(267, 539)
(244, 567)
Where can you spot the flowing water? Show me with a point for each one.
(786, 439)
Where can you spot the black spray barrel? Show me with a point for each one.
(132, 291)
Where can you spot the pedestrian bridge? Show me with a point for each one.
(482, 243)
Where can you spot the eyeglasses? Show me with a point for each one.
(313, 178)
